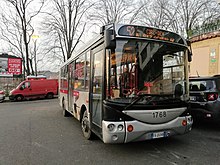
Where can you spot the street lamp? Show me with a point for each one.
(35, 37)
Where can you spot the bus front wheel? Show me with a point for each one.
(85, 124)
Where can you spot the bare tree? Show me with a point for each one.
(65, 25)
(161, 14)
(194, 12)
(154, 13)
(21, 29)
(12, 36)
(180, 16)
(115, 11)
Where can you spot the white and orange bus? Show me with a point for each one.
(130, 83)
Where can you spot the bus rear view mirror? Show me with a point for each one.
(109, 36)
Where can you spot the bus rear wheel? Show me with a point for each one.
(85, 125)
(65, 112)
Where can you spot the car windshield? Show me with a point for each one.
(143, 67)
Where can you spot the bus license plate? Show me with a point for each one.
(156, 135)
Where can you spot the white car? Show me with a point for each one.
(2, 96)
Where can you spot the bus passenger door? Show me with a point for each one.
(70, 87)
(97, 87)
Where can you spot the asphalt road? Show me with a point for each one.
(35, 132)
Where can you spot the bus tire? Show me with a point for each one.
(19, 98)
(85, 125)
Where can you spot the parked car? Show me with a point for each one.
(32, 89)
(205, 97)
(2, 96)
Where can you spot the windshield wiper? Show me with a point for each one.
(139, 96)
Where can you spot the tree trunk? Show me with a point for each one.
(31, 66)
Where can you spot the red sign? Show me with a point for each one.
(148, 84)
(14, 66)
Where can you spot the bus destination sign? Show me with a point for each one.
(151, 33)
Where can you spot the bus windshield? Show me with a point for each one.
(138, 67)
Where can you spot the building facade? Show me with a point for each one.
(206, 52)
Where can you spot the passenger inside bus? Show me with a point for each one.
(125, 83)
(113, 80)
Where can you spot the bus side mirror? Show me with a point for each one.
(109, 37)
(178, 90)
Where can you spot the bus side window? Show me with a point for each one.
(79, 73)
(87, 70)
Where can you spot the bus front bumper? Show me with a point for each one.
(131, 131)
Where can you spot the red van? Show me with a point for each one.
(31, 89)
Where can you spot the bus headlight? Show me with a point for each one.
(111, 127)
(120, 127)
